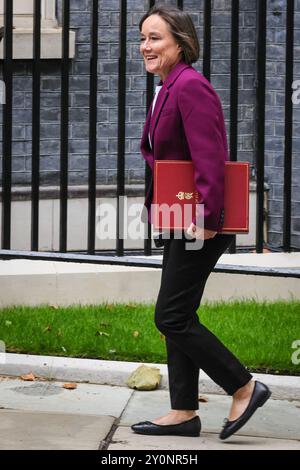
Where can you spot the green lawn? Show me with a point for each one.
(260, 334)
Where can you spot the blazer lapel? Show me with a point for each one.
(161, 99)
(146, 129)
(163, 95)
(145, 147)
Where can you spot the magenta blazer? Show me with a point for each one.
(188, 124)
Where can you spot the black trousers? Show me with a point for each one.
(190, 345)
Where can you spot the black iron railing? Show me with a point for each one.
(7, 67)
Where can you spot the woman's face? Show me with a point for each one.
(158, 46)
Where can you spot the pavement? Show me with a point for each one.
(94, 416)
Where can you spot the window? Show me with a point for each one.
(23, 13)
(51, 34)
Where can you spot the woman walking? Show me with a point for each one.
(186, 122)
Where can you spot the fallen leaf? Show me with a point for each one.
(130, 305)
(70, 386)
(48, 328)
(202, 399)
(54, 306)
(29, 377)
(101, 333)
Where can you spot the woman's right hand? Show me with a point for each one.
(200, 233)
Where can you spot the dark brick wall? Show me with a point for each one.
(275, 100)
(136, 98)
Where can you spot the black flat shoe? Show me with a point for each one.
(190, 428)
(260, 395)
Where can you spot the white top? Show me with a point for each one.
(157, 90)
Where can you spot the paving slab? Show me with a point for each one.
(277, 419)
(87, 399)
(23, 430)
(44, 415)
(125, 439)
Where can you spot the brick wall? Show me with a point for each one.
(275, 100)
(136, 99)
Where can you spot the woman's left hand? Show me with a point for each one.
(200, 233)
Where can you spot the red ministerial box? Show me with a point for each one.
(174, 184)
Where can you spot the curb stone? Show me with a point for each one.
(116, 373)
